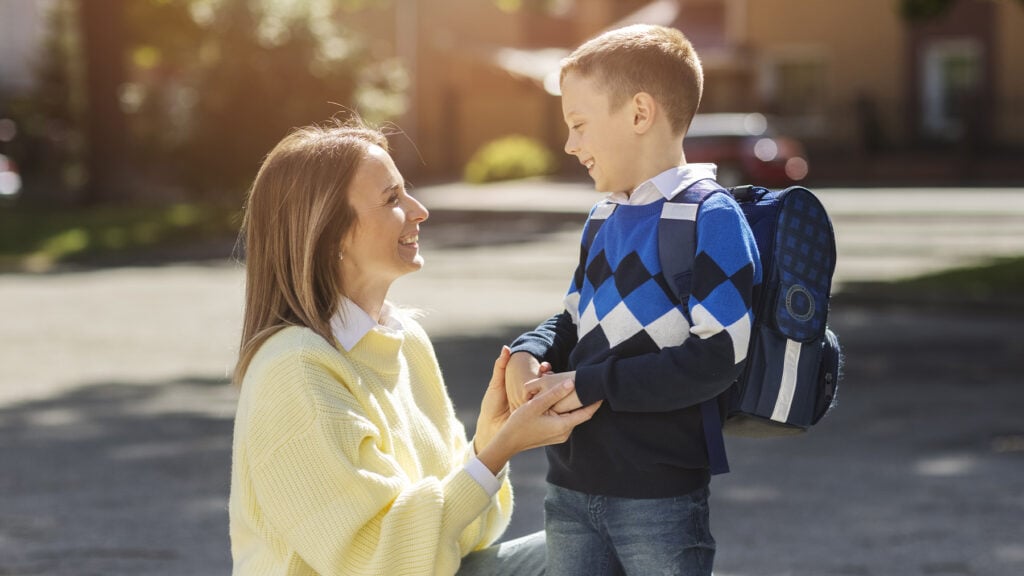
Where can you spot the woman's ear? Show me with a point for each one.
(644, 112)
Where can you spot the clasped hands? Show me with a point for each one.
(544, 415)
(526, 377)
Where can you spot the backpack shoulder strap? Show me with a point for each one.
(677, 250)
(677, 236)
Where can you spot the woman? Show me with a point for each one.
(347, 456)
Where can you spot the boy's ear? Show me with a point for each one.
(644, 111)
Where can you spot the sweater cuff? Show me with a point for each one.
(489, 482)
(481, 473)
(588, 383)
(464, 501)
(532, 347)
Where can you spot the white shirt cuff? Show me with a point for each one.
(482, 474)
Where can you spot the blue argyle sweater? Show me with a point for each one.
(649, 358)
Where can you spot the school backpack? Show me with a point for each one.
(792, 370)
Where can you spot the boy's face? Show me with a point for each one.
(602, 139)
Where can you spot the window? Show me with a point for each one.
(795, 84)
(801, 87)
(952, 71)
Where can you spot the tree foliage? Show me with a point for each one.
(211, 85)
(220, 81)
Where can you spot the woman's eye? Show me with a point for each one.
(393, 199)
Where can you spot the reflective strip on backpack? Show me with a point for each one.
(787, 384)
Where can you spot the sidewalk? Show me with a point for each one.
(115, 412)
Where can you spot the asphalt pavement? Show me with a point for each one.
(115, 411)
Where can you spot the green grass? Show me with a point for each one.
(36, 238)
(1000, 280)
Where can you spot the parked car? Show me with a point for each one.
(746, 150)
(10, 180)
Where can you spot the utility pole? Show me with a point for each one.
(406, 48)
(102, 27)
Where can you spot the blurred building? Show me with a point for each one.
(852, 79)
(871, 93)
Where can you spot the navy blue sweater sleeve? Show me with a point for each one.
(552, 341)
(726, 269)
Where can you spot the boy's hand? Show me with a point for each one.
(550, 380)
(522, 367)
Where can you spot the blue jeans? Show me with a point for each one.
(520, 557)
(603, 535)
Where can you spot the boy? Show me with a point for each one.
(628, 491)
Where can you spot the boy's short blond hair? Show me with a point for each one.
(643, 58)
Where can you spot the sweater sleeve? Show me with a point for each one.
(552, 341)
(489, 525)
(492, 522)
(334, 493)
(726, 269)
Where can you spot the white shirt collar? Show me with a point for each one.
(351, 323)
(666, 184)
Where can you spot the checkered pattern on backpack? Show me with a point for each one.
(804, 265)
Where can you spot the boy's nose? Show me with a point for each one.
(570, 144)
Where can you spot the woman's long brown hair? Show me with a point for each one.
(296, 215)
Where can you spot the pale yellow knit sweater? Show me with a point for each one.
(352, 462)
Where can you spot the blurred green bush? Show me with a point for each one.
(509, 158)
(37, 238)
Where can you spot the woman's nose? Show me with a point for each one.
(418, 212)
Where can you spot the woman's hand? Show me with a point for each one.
(494, 408)
(503, 432)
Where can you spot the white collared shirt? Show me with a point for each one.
(666, 184)
(351, 323)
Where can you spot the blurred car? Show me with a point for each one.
(10, 180)
(745, 149)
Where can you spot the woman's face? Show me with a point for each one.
(384, 243)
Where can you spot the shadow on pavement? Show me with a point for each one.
(920, 470)
(117, 478)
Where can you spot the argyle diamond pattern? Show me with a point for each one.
(629, 301)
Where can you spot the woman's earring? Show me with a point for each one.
(341, 256)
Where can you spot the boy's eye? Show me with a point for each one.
(577, 125)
